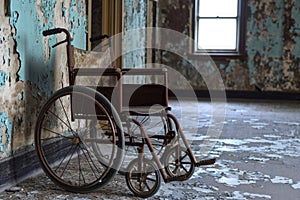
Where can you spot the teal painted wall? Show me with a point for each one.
(30, 69)
(29, 25)
(135, 18)
(273, 58)
(30, 43)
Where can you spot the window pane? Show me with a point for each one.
(217, 34)
(221, 8)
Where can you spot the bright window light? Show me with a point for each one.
(217, 24)
(217, 34)
(221, 8)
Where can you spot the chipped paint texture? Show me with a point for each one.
(272, 58)
(30, 70)
(11, 107)
(135, 17)
(175, 15)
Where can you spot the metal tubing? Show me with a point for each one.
(149, 144)
(181, 134)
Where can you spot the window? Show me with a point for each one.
(220, 27)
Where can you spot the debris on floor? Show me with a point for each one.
(257, 154)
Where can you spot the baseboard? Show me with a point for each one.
(18, 168)
(234, 94)
(264, 95)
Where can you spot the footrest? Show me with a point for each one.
(209, 161)
(176, 178)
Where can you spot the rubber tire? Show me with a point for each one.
(91, 93)
(129, 175)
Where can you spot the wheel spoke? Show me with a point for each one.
(65, 112)
(66, 158)
(148, 187)
(56, 133)
(176, 169)
(182, 157)
(153, 126)
(62, 121)
(70, 158)
(91, 163)
(183, 167)
(151, 179)
(80, 174)
(179, 163)
(148, 182)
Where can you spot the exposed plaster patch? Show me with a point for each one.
(27, 64)
(63, 10)
(2, 78)
(77, 23)
(5, 137)
(133, 8)
(39, 9)
(8, 77)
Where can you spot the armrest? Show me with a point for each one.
(144, 71)
(97, 72)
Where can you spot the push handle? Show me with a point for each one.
(52, 31)
(56, 31)
(99, 37)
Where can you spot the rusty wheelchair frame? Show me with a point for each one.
(84, 133)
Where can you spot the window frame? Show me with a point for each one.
(239, 52)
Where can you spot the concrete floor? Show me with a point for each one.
(258, 158)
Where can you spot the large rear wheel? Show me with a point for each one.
(68, 149)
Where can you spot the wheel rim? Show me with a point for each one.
(64, 146)
(153, 125)
(143, 178)
(178, 162)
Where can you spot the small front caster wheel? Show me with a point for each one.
(178, 163)
(143, 177)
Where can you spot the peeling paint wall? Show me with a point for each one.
(135, 16)
(272, 34)
(272, 59)
(30, 69)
